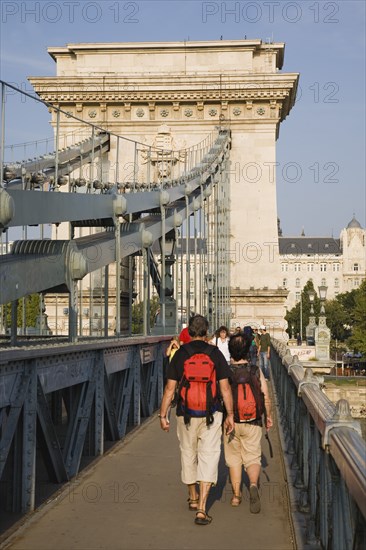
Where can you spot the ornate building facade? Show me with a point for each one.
(340, 264)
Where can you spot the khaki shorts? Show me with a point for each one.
(200, 448)
(245, 447)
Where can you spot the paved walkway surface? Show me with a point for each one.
(133, 499)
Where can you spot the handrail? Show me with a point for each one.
(330, 459)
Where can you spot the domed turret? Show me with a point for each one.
(354, 224)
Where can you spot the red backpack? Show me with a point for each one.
(248, 397)
(197, 390)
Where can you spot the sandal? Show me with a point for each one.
(193, 504)
(202, 521)
(235, 501)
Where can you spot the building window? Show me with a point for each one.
(336, 267)
(284, 267)
(297, 296)
(355, 267)
(310, 267)
(323, 267)
(297, 267)
(297, 283)
(324, 282)
(284, 283)
(356, 282)
(336, 283)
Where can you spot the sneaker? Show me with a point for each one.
(254, 500)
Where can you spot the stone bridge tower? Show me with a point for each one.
(135, 88)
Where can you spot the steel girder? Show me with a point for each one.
(66, 402)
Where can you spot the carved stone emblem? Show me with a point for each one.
(164, 154)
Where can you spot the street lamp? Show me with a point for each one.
(311, 294)
(310, 329)
(167, 316)
(323, 296)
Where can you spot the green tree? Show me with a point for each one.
(137, 314)
(358, 339)
(337, 317)
(32, 311)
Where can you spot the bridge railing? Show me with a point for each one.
(328, 455)
(60, 405)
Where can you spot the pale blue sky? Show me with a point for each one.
(322, 142)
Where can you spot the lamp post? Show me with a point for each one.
(310, 329)
(323, 296)
(301, 315)
(322, 332)
(166, 320)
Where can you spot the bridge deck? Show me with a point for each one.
(133, 499)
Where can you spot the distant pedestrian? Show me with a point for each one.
(298, 339)
(264, 351)
(184, 336)
(173, 347)
(221, 340)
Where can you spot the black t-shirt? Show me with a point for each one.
(175, 368)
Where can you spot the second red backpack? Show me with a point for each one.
(197, 391)
(248, 397)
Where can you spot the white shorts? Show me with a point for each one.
(200, 447)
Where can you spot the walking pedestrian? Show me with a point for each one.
(251, 401)
(264, 351)
(198, 369)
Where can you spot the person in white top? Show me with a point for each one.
(221, 340)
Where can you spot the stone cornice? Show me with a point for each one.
(65, 90)
(168, 47)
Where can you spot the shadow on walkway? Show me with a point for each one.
(133, 499)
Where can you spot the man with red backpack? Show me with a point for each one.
(251, 402)
(200, 374)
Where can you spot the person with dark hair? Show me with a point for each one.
(199, 370)
(251, 400)
(264, 351)
(221, 340)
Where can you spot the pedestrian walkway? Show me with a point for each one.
(133, 499)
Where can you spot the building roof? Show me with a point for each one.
(309, 246)
(354, 223)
